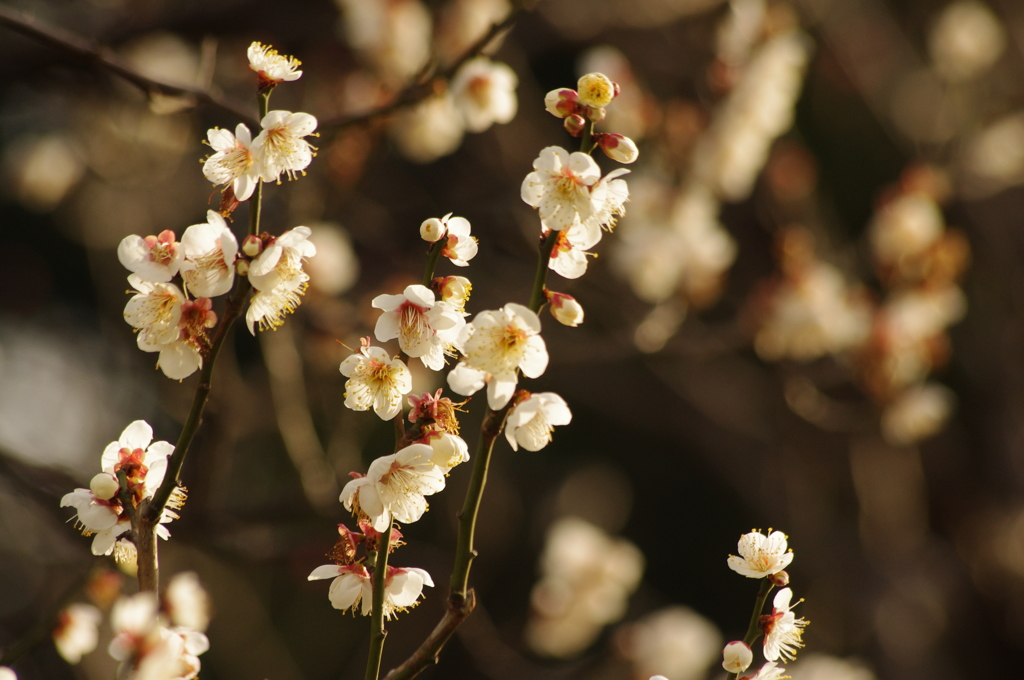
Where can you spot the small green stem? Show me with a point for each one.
(377, 631)
(537, 297)
(754, 628)
(432, 254)
(587, 138)
(256, 201)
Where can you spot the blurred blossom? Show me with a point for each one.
(917, 413)
(429, 130)
(966, 41)
(586, 580)
(187, 603)
(335, 268)
(164, 57)
(77, 631)
(485, 93)
(583, 18)
(463, 22)
(809, 311)
(740, 30)
(905, 228)
(759, 109)
(674, 245)
(40, 171)
(824, 667)
(676, 641)
(994, 158)
(392, 37)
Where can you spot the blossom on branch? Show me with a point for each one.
(485, 93)
(783, 632)
(154, 258)
(562, 188)
(395, 487)
(271, 67)
(352, 587)
(233, 161)
(280, 148)
(209, 250)
(375, 381)
(495, 346)
(532, 420)
(761, 555)
(277, 275)
(425, 328)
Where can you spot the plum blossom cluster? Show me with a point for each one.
(158, 639)
(133, 467)
(766, 557)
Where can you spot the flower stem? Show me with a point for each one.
(537, 298)
(587, 138)
(377, 631)
(432, 254)
(257, 196)
(754, 628)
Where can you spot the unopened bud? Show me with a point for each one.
(242, 267)
(596, 114)
(454, 290)
(596, 90)
(561, 102)
(104, 486)
(779, 578)
(566, 309)
(618, 147)
(432, 230)
(737, 657)
(252, 245)
(575, 124)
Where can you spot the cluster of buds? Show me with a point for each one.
(579, 109)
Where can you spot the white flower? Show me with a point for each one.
(143, 460)
(395, 486)
(966, 40)
(76, 633)
(455, 291)
(210, 249)
(94, 514)
(761, 555)
(353, 588)
(917, 413)
(532, 421)
(566, 310)
(449, 450)
(461, 247)
(675, 641)
(615, 195)
(154, 258)
(618, 147)
(272, 67)
(485, 93)
(569, 254)
(7, 674)
(769, 671)
(187, 603)
(424, 328)
(783, 632)
(149, 649)
(134, 623)
(736, 657)
(375, 381)
(495, 345)
(277, 274)
(429, 130)
(155, 311)
(562, 187)
(233, 161)
(280, 148)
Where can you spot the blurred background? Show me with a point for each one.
(811, 318)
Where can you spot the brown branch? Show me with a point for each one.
(423, 85)
(31, 27)
(426, 654)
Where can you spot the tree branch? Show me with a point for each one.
(33, 28)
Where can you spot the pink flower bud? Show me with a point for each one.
(562, 102)
(252, 245)
(242, 267)
(575, 124)
(432, 230)
(566, 309)
(737, 657)
(104, 486)
(779, 578)
(595, 115)
(618, 147)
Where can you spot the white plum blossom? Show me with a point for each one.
(614, 193)
(562, 188)
(449, 450)
(496, 345)
(532, 421)
(143, 460)
(761, 555)
(596, 90)
(769, 671)
(395, 486)
(233, 161)
(566, 309)
(783, 632)
(272, 67)
(147, 648)
(570, 252)
(280, 147)
(352, 587)
(155, 311)
(460, 247)
(210, 249)
(425, 328)
(77, 631)
(736, 657)
(186, 602)
(277, 275)
(154, 258)
(485, 93)
(454, 290)
(376, 381)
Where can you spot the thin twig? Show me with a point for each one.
(32, 27)
(422, 86)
